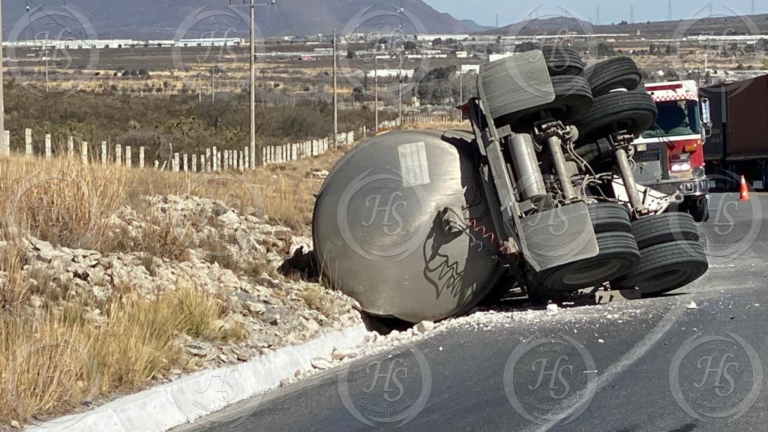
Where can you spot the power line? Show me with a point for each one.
(286, 20)
(266, 26)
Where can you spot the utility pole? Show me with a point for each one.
(400, 99)
(2, 104)
(597, 14)
(255, 156)
(213, 83)
(376, 90)
(46, 69)
(631, 14)
(669, 10)
(335, 97)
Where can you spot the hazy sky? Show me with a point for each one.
(484, 11)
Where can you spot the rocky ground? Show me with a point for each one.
(240, 259)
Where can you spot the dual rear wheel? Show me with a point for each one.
(671, 255)
(653, 255)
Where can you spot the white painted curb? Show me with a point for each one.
(159, 409)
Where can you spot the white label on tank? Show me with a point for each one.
(413, 163)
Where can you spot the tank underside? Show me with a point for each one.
(379, 232)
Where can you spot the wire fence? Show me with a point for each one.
(212, 158)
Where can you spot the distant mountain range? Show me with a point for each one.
(161, 19)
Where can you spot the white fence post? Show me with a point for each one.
(157, 164)
(203, 163)
(7, 143)
(84, 152)
(141, 157)
(118, 155)
(127, 156)
(194, 162)
(225, 161)
(103, 152)
(48, 146)
(215, 161)
(175, 162)
(207, 160)
(70, 147)
(28, 142)
(186, 162)
(247, 159)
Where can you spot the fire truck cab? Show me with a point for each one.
(669, 156)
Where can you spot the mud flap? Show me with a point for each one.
(559, 236)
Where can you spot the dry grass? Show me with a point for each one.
(438, 126)
(136, 341)
(92, 361)
(70, 204)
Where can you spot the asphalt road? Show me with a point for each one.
(660, 364)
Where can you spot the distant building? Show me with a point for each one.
(209, 42)
(431, 37)
(494, 57)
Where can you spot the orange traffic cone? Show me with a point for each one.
(744, 192)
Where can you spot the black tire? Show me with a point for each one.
(562, 60)
(618, 256)
(665, 267)
(613, 74)
(699, 209)
(632, 112)
(664, 228)
(504, 95)
(573, 99)
(609, 217)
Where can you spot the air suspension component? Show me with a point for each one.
(530, 182)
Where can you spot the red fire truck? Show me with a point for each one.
(669, 156)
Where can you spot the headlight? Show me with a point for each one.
(681, 167)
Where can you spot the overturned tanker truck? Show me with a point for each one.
(537, 196)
